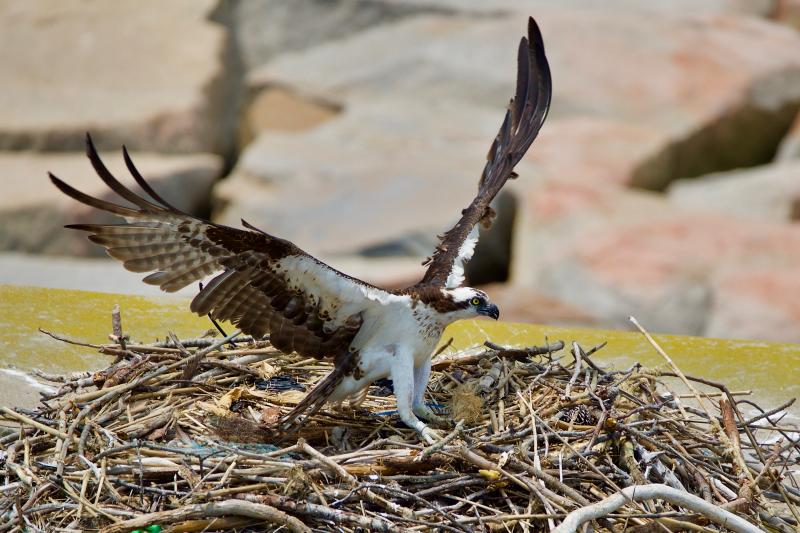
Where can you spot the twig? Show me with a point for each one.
(639, 493)
(260, 511)
(435, 447)
(576, 352)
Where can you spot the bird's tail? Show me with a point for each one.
(314, 400)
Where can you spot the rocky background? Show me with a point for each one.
(665, 184)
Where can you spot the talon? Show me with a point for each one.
(430, 436)
(427, 414)
(438, 421)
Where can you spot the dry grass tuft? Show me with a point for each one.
(466, 404)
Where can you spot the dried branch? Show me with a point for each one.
(640, 493)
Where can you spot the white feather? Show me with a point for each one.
(341, 296)
(456, 276)
(462, 294)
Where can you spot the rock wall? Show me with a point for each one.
(664, 180)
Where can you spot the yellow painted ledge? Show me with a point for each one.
(771, 370)
(84, 316)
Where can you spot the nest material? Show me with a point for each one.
(178, 435)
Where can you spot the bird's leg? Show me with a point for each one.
(422, 374)
(402, 373)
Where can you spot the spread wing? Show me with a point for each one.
(524, 118)
(265, 284)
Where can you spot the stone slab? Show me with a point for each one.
(33, 211)
(750, 7)
(149, 74)
(615, 253)
(266, 28)
(789, 148)
(680, 70)
(753, 301)
(384, 174)
(770, 192)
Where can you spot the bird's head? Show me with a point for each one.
(469, 303)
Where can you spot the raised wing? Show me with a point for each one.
(266, 284)
(524, 118)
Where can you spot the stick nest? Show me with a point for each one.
(177, 436)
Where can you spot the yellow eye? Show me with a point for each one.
(475, 301)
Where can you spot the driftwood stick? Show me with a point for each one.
(260, 511)
(484, 464)
(200, 342)
(326, 513)
(525, 352)
(551, 481)
(729, 423)
(639, 493)
(496, 349)
(30, 422)
(344, 474)
(117, 335)
(576, 352)
(435, 447)
(192, 360)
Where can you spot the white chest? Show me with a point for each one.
(415, 328)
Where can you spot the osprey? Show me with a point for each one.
(267, 285)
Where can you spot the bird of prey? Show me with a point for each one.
(267, 285)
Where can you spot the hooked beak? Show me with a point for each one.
(491, 311)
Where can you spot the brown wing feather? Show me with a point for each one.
(523, 120)
(260, 287)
